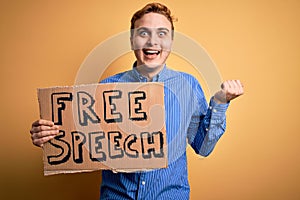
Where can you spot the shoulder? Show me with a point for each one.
(189, 81)
(184, 76)
(188, 77)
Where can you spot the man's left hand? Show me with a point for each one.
(230, 90)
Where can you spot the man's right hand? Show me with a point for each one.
(42, 131)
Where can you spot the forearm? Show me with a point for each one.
(210, 129)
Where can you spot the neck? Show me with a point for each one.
(149, 72)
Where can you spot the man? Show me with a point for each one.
(187, 114)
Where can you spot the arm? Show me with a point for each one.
(212, 124)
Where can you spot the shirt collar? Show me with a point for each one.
(157, 78)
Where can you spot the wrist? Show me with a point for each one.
(219, 100)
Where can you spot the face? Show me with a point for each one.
(152, 40)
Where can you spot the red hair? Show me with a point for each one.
(152, 8)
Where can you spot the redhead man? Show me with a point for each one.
(188, 117)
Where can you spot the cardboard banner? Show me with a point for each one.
(118, 126)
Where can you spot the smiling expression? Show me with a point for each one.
(151, 41)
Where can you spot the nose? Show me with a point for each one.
(153, 40)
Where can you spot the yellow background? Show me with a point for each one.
(43, 43)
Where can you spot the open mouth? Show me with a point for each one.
(151, 52)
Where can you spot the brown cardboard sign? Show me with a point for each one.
(115, 126)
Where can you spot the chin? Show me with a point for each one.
(152, 65)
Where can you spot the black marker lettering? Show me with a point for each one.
(135, 106)
(85, 109)
(114, 147)
(63, 146)
(96, 146)
(78, 140)
(58, 105)
(110, 114)
(129, 151)
(152, 143)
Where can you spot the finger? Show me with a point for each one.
(239, 83)
(44, 134)
(235, 87)
(241, 87)
(230, 90)
(231, 85)
(39, 142)
(43, 122)
(37, 129)
(225, 86)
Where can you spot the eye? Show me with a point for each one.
(143, 33)
(162, 33)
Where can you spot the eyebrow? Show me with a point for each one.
(163, 29)
(147, 28)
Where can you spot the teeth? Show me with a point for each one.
(151, 52)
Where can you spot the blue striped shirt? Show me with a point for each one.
(188, 120)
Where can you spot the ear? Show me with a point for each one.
(131, 43)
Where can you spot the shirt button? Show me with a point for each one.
(206, 129)
(143, 182)
(214, 110)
